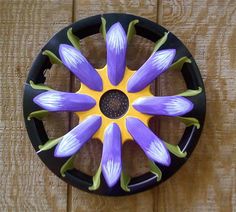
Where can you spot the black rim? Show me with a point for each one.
(146, 29)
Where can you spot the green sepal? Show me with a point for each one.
(190, 92)
(179, 63)
(39, 86)
(38, 114)
(160, 42)
(73, 38)
(155, 170)
(68, 165)
(124, 181)
(131, 30)
(174, 149)
(96, 179)
(49, 144)
(103, 27)
(189, 121)
(52, 57)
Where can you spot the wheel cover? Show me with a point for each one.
(190, 73)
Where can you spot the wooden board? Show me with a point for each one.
(26, 184)
(205, 183)
(94, 48)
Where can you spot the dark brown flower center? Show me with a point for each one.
(114, 104)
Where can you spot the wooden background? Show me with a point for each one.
(206, 183)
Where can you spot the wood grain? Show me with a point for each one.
(26, 184)
(94, 48)
(207, 181)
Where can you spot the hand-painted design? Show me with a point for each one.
(39, 114)
(131, 30)
(68, 165)
(54, 101)
(80, 67)
(49, 144)
(124, 181)
(114, 132)
(73, 39)
(76, 138)
(96, 179)
(116, 43)
(190, 92)
(39, 86)
(111, 155)
(155, 170)
(152, 146)
(103, 27)
(52, 57)
(160, 42)
(157, 63)
(163, 105)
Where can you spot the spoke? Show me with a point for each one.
(68, 165)
(52, 57)
(96, 180)
(160, 42)
(73, 39)
(155, 170)
(124, 182)
(131, 29)
(38, 114)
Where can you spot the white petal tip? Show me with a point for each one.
(157, 152)
(111, 172)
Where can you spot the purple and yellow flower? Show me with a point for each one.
(114, 104)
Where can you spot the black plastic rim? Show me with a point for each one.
(90, 26)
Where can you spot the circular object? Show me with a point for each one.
(114, 104)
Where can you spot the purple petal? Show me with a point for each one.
(116, 42)
(163, 105)
(111, 154)
(80, 67)
(76, 138)
(63, 101)
(156, 64)
(153, 146)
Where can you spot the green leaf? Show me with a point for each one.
(103, 27)
(160, 42)
(131, 29)
(189, 121)
(190, 92)
(155, 170)
(124, 181)
(68, 165)
(52, 57)
(174, 149)
(39, 86)
(73, 38)
(39, 114)
(179, 63)
(49, 144)
(96, 179)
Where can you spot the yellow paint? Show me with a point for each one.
(122, 86)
